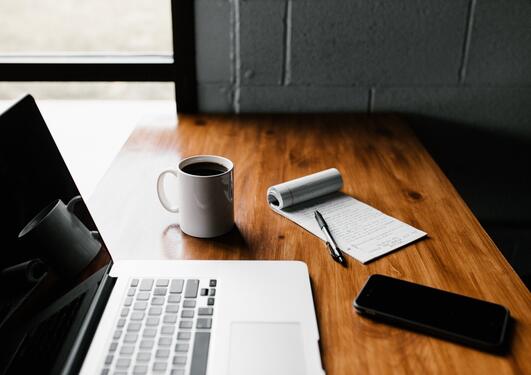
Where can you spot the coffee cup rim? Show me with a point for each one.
(227, 163)
(39, 218)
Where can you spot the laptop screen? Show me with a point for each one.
(49, 240)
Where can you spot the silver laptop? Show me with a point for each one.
(137, 317)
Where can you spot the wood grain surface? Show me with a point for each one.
(383, 164)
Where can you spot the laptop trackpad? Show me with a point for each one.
(266, 348)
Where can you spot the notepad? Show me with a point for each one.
(361, 231)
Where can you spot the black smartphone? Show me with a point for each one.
(439, 313)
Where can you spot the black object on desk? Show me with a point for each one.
(437, 312)
(330, 242)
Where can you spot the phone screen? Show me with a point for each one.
(435, 310)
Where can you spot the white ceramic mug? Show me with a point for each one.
(205, 203)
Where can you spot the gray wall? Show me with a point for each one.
(464, 66)
(463, 60)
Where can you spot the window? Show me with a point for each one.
(89, 90)
(95, 41)
(86, 26)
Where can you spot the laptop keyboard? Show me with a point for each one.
(164, 328)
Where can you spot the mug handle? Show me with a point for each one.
(96, 235)
(70, 208)
(162, 193)
(72, 204)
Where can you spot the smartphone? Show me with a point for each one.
(433, 311)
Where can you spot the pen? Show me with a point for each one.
(330, 243)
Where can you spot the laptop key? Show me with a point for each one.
(189, 303)
(165, 341)
(149, 332)
(210, 301)
(146, 284)
(204, 292)
(155, 310)
(162, 353)
(160, 291)
(140, 305)
(212, 292)
(159, 366)
(153, 321)
(127, 349)
(125, 312)
(174, 298)
(140, 369)
(134, 282)
(131, 337)
(205, 311)
(117, 334)
(183, 348)
(187, 313)
(121, 323)
(142, 296)
(186, 324)
(133, 327)
(167, 330)
(162, 282)
(170, 318)
(213, 283)
(204, 323)
(113, 346)
(123, 362)
(172, 308)
(179, 360)
(176, 286)
(128, 301)
(143, 357)
(131, 292)
(158, 300)
(191, 288)
(137, 315)
(108, 359)
(147, 344)
(200, 353)
(177, 371)
(184, 335)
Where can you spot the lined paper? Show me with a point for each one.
(361, 231)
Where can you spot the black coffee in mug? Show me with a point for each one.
(204, 169)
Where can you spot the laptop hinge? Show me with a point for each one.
(90, 323)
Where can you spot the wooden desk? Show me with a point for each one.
(384, 165)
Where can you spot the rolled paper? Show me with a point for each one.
(304, 188)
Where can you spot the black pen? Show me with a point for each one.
(330, 243)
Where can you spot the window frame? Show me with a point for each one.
(178, 68)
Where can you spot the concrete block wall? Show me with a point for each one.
(464, 66)
(467, 61)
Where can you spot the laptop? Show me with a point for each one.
(135, 317)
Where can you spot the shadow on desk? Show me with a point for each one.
(231, 245)
(491, 172)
